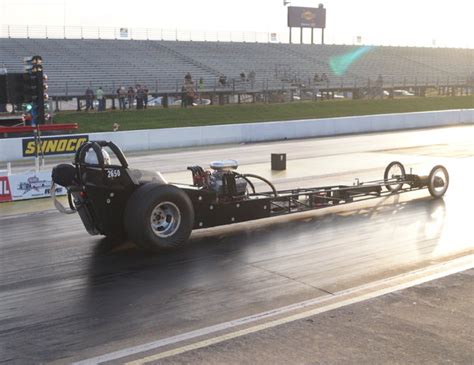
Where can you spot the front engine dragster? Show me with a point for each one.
(117, 200)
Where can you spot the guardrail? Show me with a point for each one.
(143, 140)
(292, 93)
(235, 85)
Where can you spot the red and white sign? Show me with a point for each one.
(29, 185)
(5, 192)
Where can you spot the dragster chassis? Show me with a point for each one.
(116, 200)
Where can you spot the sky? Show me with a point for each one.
(377, 22)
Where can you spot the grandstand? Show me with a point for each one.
(74, 64)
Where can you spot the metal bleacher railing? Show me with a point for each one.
(90, 32)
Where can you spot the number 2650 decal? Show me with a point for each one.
(112, 174)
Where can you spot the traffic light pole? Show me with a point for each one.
(40, 114)
(40, 118)
(34, 92)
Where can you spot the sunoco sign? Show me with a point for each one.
(53, 145)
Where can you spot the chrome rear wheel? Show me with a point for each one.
(165, 219)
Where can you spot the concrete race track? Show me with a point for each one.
(66, 296)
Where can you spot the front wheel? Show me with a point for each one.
(159, 217)
(394, 172)
(438, 181)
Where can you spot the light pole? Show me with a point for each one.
(285, 3)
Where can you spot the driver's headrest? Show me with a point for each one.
(91, 157)
(64, 175)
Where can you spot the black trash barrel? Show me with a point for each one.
(278, 161)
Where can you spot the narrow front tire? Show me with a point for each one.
(438, 181)
(394, 172)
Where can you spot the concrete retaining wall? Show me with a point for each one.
(142, 140)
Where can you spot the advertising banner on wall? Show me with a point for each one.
(123, 32)
(54, 145)
(31, 185)
(301, 17)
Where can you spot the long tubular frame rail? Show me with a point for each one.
(211, 210)
(304, 199)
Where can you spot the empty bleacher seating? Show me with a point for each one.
(74, 64)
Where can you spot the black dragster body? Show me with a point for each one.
(117, 200)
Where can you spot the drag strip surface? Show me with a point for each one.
(66, 296)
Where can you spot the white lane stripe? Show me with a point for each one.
(299, 316)
(443, 269)
(292, 318)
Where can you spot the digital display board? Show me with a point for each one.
(301, 17)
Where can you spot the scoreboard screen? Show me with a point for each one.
(301, 17)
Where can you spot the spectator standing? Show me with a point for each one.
(470, 83)
(130, 96)
(252, 78)
(145, 96)
(325, 80)
(379, 86)
(117, 93)
(122, 94)
(183, 97)
(222, 80)
(164, 101)
(101, 99)
(140, 95)
(89, 99)
(200, 88)
(190, 94)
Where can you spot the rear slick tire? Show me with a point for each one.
(159, 217)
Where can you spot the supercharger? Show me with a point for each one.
(222, 179)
